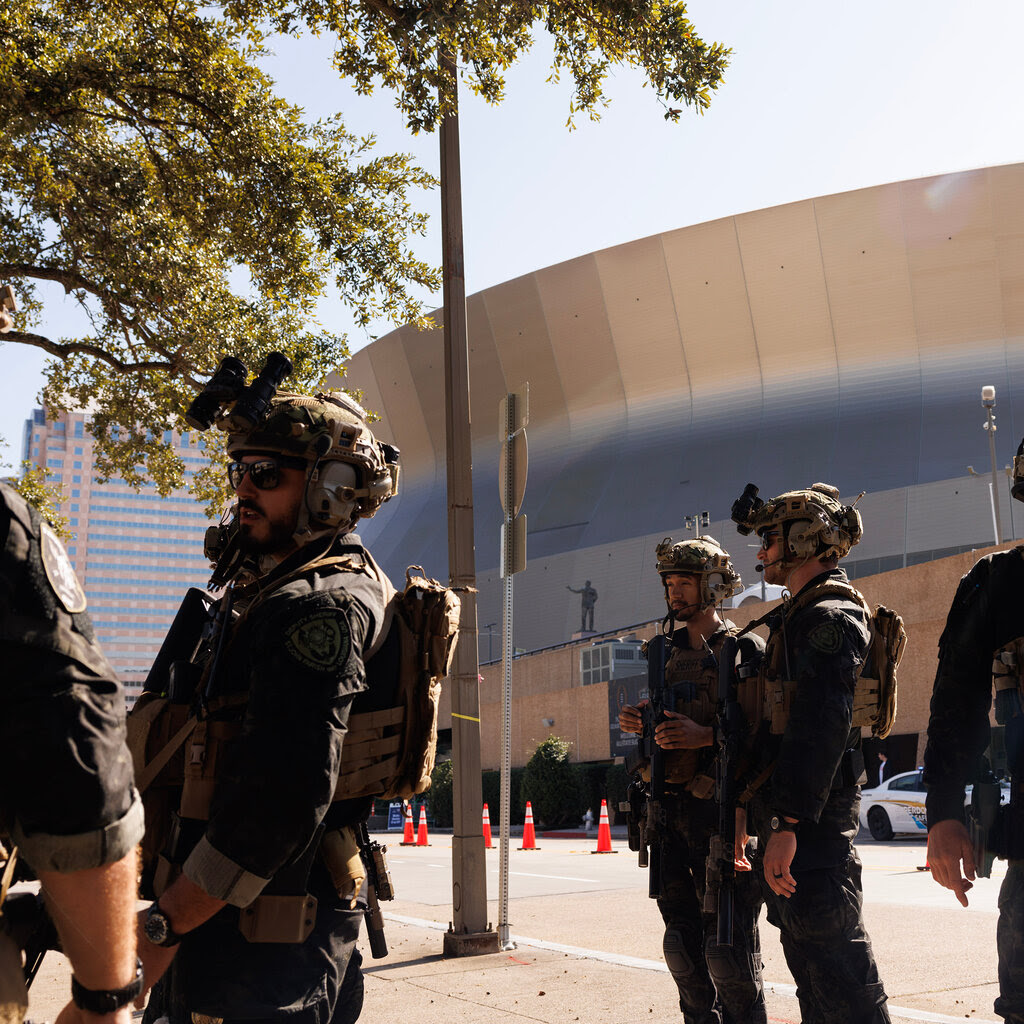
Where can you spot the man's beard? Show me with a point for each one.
(279, 537)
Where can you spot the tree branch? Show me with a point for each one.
(64, 350)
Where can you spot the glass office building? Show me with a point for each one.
(135, 553)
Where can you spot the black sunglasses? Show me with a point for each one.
(265, 474)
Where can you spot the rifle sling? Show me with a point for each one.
(153, 769)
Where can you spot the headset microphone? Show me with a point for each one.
(761, 566)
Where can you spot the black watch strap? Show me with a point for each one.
(779, 824)
(106, 1000)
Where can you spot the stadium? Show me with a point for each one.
(844, 339)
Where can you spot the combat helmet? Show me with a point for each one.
(814, 522)
(351, 473)
(704, 558)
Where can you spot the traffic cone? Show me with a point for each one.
(421, 832)
(408, 839)
(529, 836)
(604, 832)
(487, 830)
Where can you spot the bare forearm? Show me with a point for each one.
(94, 911)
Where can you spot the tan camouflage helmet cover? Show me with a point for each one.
(704, 558)
(819, 524)
(1017, 490)
(331, 427)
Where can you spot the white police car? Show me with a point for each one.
(897, 806)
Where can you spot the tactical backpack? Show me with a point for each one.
(390, 753)
(874, 698)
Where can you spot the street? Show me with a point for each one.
(588, 942)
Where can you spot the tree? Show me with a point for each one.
(149, 170)
(551, 783)
(397, 43)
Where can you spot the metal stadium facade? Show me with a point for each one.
(844, 339)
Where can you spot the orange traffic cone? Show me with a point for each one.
(408, 839)
(421, 832)
(487, 830)
(604, 832)
(529, 836)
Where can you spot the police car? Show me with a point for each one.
(897, 806)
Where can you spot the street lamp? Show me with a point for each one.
(988, 401)
(698, 522)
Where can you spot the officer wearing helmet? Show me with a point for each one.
(260, 917)
(808, 766)
(981, 649)
(716, 983)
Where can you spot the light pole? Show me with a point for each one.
(988, 400)
(698, 522)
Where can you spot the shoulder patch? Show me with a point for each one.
(826, 637)
(320, 640)
(59, 571)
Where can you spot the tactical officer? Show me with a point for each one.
(808, 764)
(716, 983)
(982, 644)
(67, 802)
(262, 920)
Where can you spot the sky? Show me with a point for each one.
(819, 98)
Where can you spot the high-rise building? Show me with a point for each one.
(135, 553)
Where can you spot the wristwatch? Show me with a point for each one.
(158, 927)
(106, 1000)
(777, 823)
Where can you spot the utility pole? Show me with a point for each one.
(469, 932)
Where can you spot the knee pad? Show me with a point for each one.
(727, 963)
(677, 959)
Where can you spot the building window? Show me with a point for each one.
(77, 464)
(79, 430)
(76, 479)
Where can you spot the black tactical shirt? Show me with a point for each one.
(987, 613)
(298, 655)
(66, 796)
(825, 644)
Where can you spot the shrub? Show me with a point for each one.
(552, 784)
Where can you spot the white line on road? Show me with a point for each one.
(560, 878)
(656, 965)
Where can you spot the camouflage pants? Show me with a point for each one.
(827, 948)
(1010, 943)
(717, 984)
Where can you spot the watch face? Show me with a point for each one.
(156, 927)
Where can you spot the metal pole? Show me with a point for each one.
(507, 655)
(988, 400)
(469, 932)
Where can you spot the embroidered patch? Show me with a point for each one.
(320, 641)
(827, 638)
(59, 571)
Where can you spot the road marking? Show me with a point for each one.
(560, 878)
(656, 965)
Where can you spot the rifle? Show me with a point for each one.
(983, 823)
(26, 920)
(721, 868)
(378, 887)
(651, 826)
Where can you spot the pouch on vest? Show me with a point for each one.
(1008, 679)
(390, 753)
